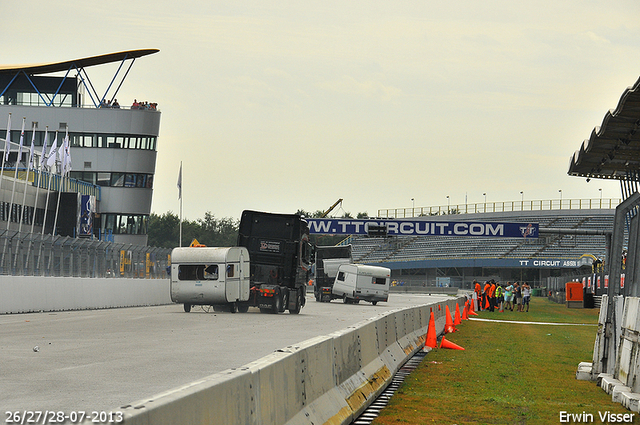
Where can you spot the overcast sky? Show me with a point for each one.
(280, 106)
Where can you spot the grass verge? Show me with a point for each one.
(509, 373)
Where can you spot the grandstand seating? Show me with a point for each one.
(549, 245)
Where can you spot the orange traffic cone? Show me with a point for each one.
(465, 316)
(450, 345)
(456, 319)
(472, 309)
(431, 341)
(448, 328)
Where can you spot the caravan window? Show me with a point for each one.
(341, 276)
(198, 272)
(230, 270)
(379, 281)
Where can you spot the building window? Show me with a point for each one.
(126, 224)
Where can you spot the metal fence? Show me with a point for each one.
(508, 206)
(27, 254)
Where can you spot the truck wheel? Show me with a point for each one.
(374, 302)
(277, 304)
(298, 306)
(243, 308)
(187, 308)
(345, 299)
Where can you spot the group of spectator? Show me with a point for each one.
(136, 105)
(110, 104)
(144, 105)
(493, 295)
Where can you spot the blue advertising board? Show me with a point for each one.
(346, 226)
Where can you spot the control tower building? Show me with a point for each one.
(113, 150)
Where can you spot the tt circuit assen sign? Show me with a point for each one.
(341, 226)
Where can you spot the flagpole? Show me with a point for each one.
(26, 180)
(6, 148)
(43, 156)
(24, 195)
(15, 176)
(46, 204)
(52, 150)
(13, 191)
(62, 176)
(180, 198)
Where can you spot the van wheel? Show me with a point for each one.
(374, 302)
(187, 308)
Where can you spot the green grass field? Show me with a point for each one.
(509, 373)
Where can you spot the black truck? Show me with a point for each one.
(280, 260)
(327, 261)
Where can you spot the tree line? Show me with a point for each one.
(164, 230)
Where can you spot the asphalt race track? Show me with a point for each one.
(99, 360)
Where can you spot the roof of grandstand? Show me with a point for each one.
(613, 150)
(549, 250)
(47, 68)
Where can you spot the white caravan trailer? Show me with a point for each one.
(356, 282)
(210, 276)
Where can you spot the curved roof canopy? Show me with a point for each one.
(613, 150)
(48, 68)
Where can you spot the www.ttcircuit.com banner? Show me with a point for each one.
(345, 226)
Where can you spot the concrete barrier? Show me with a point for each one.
(25, 294)
(324, 380)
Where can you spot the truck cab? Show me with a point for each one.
(327, 261)
(280, 252)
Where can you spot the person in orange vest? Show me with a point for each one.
(478, 291)
(485, 295)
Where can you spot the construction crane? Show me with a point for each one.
(326, 213)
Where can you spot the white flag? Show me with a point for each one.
(180, 182)
(43, 155)
(66, 159)
(33, 139)
(21, 142)
(7, 140)
(51, 158)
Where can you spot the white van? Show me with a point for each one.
(210, 276)
(356, 282)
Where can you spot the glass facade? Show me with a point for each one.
(83, 140)
(106, 179)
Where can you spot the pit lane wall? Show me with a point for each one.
(324, 380)
(27, 294)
